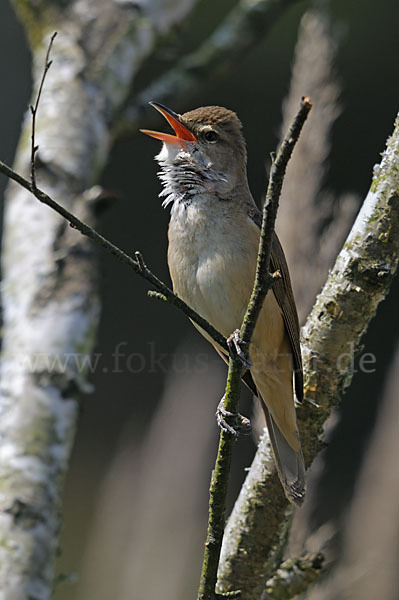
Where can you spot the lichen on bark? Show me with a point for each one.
(49, 294)
(331, 337)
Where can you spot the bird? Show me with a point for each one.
(213, 239)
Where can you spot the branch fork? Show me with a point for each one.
(263, 282)
(315, 334)
(241, 340)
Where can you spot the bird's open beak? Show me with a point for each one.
(182, 133)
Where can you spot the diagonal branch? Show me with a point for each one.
(261, 286)
(138, 265)
(264, 279)
(49, 301)
(359, 281)
(263, 282)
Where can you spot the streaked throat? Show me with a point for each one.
(185, 175)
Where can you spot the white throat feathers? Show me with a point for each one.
(186, 172)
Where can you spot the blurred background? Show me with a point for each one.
(135, 500)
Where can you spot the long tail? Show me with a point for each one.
(290, 464)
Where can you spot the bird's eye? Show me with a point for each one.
(211, 136)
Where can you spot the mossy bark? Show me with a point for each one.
(293, 577)
(255, 535)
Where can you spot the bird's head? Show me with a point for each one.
(207, 154)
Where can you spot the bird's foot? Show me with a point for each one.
(235, 342)
(242, 425)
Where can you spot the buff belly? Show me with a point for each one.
(213, 270)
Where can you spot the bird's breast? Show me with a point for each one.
(212, 260)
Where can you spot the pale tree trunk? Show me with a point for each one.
(51, 309)
(49, 291)
(367, 566)
(256, 532)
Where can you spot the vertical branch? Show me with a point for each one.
(264, 279)
(34, 108)
(359, 281)
(262, 284)
(218, 491)
(137, 264)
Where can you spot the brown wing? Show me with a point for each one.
(285, 298)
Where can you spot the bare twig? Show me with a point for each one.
(218, 490)
(263, 282)
(138, 266)
(264, 279)
(262, 285)
(359, 281)
(50, 305)
(34, 108)
(221, 472)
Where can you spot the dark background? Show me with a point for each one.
(123, 404)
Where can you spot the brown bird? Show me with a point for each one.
(213, 243)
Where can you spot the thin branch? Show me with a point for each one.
(263, 282)
(138, 266)
(220, 475)
(50, 304)
(34, 108)
(359, 281)
(264, 279)
(218, 491)
(221, 472)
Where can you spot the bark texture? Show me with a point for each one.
(48, 292)
(255, 535)
(293, 577)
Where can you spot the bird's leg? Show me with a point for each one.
(242, 424)
(235, 342)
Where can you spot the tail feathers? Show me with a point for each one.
(290, 464)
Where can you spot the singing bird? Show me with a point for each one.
(213, 236)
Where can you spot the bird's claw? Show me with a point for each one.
(242, 424)
(235, 341)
